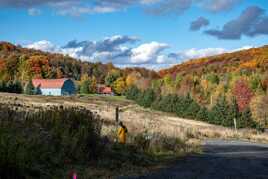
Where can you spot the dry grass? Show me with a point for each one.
(139, 120)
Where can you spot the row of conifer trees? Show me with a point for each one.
(222, 113)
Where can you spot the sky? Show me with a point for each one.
(145, 33)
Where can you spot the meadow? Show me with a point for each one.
(55, 140)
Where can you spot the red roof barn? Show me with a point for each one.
(55, 87)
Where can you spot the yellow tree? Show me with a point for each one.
(119, 86)
(93, 85)
(259, 109)
(132, 79)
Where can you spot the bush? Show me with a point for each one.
(203, 114)
(132, 93)
(146, 98)
(35, 144)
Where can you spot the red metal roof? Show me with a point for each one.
(107, 90)
(49, 83)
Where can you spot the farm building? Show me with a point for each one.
(104, 90)
(54, 87)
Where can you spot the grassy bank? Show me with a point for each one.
(51, 142)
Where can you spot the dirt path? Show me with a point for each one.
(220, 160)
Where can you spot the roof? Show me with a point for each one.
(49, 83)
(105, 90)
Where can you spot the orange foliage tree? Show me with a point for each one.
(39, 65)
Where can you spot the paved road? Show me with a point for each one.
(220, 160)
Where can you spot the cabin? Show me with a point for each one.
(54, 87)
(104, 90)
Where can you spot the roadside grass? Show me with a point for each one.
(39, 142)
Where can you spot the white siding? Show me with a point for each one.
(51, 91)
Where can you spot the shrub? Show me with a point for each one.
(146, 98)
(202, 114)
(29, 89)
(132, 93)
(43, 143)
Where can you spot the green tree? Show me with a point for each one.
(213, 78)
(29, 89)
(111, 78)
(202, 114)
(132, 93)
(219, 112)
(147, 98)
(246, 119)
(84, 88)
(192, 110)
(233, 113)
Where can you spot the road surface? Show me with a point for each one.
(220, 160)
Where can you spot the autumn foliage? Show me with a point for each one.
(243, 94)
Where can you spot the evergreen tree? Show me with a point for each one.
(202, 114)
(147, 98)
(18, 87)
(192, 110)
(29, 89)
(84, 88)
(246, 119)
(219, 112)
(232, 114)
(132, 93)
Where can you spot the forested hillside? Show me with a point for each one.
(18, 65)
(216, 89)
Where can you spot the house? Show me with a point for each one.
(105, 90)
(54, 87)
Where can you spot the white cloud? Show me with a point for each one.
(199, 53)
(243, 48)
(34, 12)
(148, 55)
(43, 45)
(147, 52)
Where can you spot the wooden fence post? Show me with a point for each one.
(117, 114)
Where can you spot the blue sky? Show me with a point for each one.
(150, 33)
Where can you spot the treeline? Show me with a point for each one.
(222, 113)
(11, 86)
(22, 64)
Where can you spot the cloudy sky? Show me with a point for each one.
(150, 33)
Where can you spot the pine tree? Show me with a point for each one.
(29, 89)
(192, 110)
(84, 88)
(148, 98)
(219, 112)
(202, 114)
(132, 93)
(233, 113)
(246, 119)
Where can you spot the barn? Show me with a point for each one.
(54, 87)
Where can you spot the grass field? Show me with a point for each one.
(142, 153)
(164, 130)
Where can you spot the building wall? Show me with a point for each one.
(51, 91)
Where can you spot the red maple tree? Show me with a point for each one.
(243, 94)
